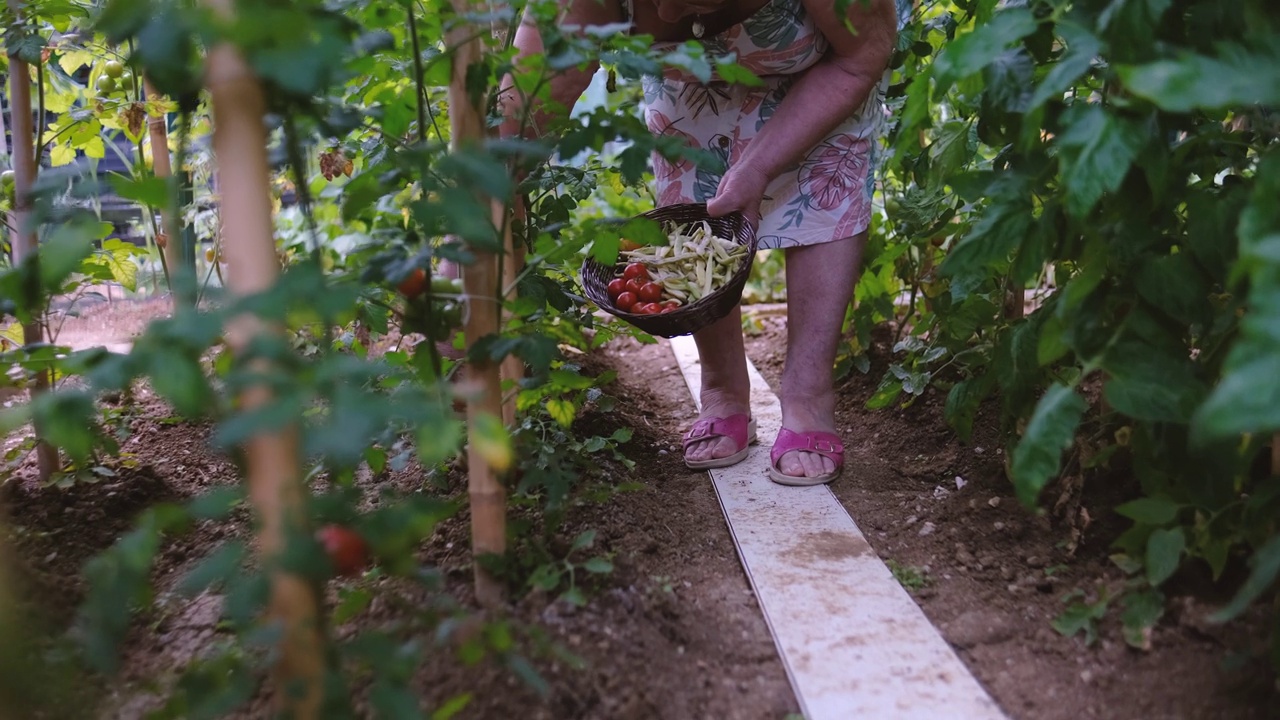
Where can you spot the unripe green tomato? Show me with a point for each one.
(113, 69)
(451, 316)
(106, 85)
(126, 80)
(441, 285)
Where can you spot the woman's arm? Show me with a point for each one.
(823, 97)
(565, 87)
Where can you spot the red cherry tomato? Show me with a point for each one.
(626, 301)
(634, 285)
(668, 308)
(636, 270)
(650, 292)
(414, 283)
(348, 552)
(654, 308)
(671, 305)
(616, 287)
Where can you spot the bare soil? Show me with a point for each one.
(674, 631)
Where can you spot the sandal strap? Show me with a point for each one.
(733, 427)
(825, 444)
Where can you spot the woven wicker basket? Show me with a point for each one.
(690, 318)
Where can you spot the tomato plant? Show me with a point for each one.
(1077, 223)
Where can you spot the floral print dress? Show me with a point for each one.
(827, 195)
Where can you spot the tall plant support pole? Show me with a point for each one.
(513, 262)
(23, 239)
(162, 166)
(272, 463)
(480, 282)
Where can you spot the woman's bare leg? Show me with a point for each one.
(726, 389)
(823, 277)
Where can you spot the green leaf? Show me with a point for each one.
(1175, 285)
(452, 707)
(545, 577)
(1051, 430)
(1081, 617)
(584, 540)
(351, 602)
(1192, 82)
(1082, 48)
(438, 439)
(735, 74)
(150, 190)
(1152, 511)
(1149, 384)
(216, 504)
(562, 411)
(971, 53)
(1164, 553)
(951, 150)
(1247, 399)
(1266, 568)
(491, 441)
(598, 565)
(391, 700)
(1098, 149)
(525, 671)
(569, 380)
(1142, 610)
(67, 421)
(216, 568)
(888, 391)
(61, 255)
(962, 405)
(999, 231)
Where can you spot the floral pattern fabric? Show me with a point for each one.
(824, 197)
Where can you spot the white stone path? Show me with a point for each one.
(854, 643)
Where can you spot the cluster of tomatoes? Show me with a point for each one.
(115, 79)
(637, 294)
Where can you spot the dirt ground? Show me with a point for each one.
(675, 631)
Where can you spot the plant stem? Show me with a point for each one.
(420, 92)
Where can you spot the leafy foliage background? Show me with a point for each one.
(1080, 225)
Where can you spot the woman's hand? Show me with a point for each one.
(741, 189)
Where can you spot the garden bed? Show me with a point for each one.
(674, 630)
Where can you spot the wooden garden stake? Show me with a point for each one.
(480, 282)
(23, 237)
(272, 463)
(162, 166)
(513, 264)
(513, 260)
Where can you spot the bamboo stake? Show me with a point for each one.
(23, 240)
(162, 166)
(512, 370)
(480, 282)
(513, 264)
(272, 463)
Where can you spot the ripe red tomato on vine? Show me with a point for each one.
(347, 550)
(414, 284)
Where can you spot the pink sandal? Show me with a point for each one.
(825, 444)
(738, 428)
